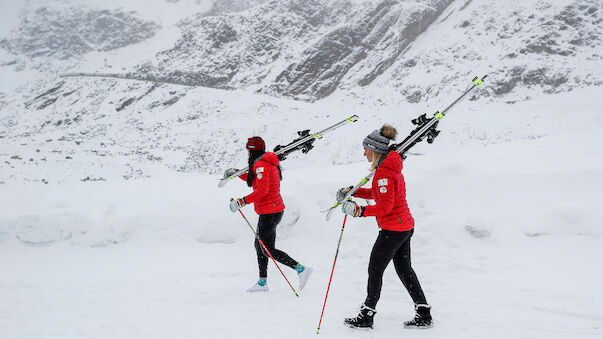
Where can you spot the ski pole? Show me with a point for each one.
(266, 249)
(331, 277)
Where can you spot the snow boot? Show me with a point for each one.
(422, 318)
(260, 286)
(304, 274)
(364, 319)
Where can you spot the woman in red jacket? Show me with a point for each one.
(265, 177)
(397, 226)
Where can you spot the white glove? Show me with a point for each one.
(236, 204)
(342, 192)
(229, 172)
(351, 208)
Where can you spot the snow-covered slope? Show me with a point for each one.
(507, 245)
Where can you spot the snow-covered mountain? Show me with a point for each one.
(352, 56)
(309, 49)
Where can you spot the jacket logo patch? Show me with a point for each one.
(259, 170)
(259, 176)
(382, 182)
(383, 189)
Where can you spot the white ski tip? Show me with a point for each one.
(304, 277)
(330, 212)
(222, 183)
(257, 288)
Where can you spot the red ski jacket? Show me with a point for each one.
(266, 197)
(389, 192)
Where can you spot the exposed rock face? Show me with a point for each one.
(63, 34)
(573, 30)
(239, 50)
(323, 65)
(367, 46)
(543, 46)
(577, 19)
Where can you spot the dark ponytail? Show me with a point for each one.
(253, 157)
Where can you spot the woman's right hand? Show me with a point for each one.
(341, 193)
(229, 172)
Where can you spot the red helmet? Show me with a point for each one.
(256, 144)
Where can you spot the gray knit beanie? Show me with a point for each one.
(378, 141)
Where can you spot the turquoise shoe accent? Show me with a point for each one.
(299, 268)
(262, 281)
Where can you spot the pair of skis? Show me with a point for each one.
(303, 143)
(426, 128)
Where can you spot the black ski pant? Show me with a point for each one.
(267, 232)
(392, 245)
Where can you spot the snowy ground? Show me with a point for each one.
(507, 245)
(509, 235)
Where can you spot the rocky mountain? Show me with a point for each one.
(309, 49)
(244, 60)
(297, 48)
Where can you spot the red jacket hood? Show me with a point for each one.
(270, 158)
(393, 162)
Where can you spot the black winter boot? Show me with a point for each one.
(422, 318)
(364, 319)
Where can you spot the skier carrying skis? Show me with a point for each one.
(397, 226)
(265, 177)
